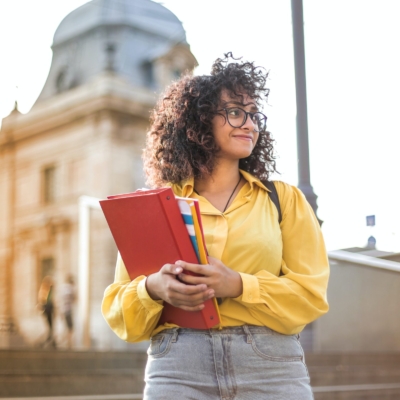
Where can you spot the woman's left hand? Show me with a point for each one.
(216, 275)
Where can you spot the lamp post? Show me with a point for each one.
(301, 103)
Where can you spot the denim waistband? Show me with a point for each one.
(229, 330)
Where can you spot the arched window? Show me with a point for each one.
(61, 81)
(148, 74)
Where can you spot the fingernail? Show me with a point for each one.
(178, 270)
(179, 262)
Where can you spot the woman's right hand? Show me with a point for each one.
(164, 285)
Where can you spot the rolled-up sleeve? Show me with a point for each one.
(127, 307)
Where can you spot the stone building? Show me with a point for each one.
(83, 136)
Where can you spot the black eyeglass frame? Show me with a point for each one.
(245, 118)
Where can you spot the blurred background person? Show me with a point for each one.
(67, 298)
(46, 305)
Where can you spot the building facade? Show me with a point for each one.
(83, 136)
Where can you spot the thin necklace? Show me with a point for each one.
(234, 190)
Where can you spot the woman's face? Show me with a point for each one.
(234, 143)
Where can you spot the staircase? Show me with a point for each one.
(364, 376)
(42, 373)
(99, 375)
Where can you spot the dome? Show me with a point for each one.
(139, 41)
(145, 15)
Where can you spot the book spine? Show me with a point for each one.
(197, 207)
(185, 209)
(199, 237)
(178, 229)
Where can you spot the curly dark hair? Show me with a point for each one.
(180, 143)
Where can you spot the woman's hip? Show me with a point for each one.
(245, 362)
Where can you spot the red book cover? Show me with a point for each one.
(149, 231)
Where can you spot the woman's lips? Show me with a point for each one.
(244, 137)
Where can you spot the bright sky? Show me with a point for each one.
(353, 87)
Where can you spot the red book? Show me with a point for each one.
(149, 232)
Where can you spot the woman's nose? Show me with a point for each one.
(249, 124)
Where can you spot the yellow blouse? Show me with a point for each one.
(284, 268)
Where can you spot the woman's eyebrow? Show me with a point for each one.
(238, 103)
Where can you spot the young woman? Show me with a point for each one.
(208, 140)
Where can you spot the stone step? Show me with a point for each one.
(350, 369)
(64, 373)
(71, 372)
(70, 384)
(137, 396)
(43, 360)
(328, 359)
(349, 375)
(358, 392)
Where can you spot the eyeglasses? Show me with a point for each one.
(237, 117)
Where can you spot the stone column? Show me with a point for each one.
(8, 330)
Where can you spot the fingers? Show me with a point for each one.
(196, 268)
(189, 294)
(192, 280)
(193, 299)
(190, 302)
(172, 269)
(214, 261)
(168, 275)
(189, 297)
(178, 286)
(192, 309)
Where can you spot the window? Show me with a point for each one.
(61, 81)
(49, 184)
(46, 267)
(176, 74)
(148, 74)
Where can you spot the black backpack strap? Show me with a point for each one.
(274, 197)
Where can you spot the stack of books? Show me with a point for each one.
(152, 228)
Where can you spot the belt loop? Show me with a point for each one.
(248, 333)
(174, 335)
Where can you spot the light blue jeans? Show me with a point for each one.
(238, 363)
